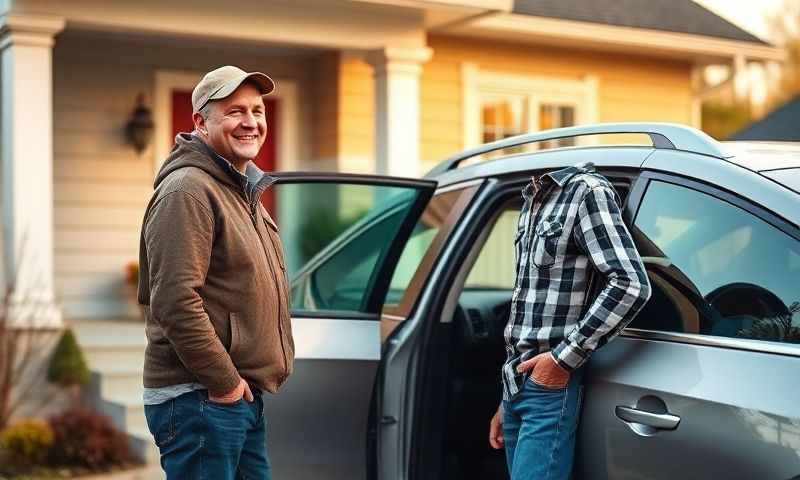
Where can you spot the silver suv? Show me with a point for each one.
(401, 290)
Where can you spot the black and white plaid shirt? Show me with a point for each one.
(570, 224)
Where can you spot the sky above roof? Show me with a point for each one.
(747, 14)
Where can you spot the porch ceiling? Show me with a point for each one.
(314, 23)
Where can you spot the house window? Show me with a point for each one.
(499, 106)
(504, 116)
(554, 115)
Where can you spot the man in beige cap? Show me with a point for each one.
(213, 280)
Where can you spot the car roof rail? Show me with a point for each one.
(671, 136)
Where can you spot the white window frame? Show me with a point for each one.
(166, 81)
(579, 93)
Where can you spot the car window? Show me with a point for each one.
(494, 267)
(336, 237)
(423, 247)
(716, 269)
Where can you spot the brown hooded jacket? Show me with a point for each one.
(212, 277)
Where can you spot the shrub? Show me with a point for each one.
(87, 439)
(26, 443)
(321, 227)
(720, 120)
(67, 365)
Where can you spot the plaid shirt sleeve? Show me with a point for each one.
(601, 233)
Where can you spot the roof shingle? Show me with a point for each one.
(782, 125)
(682, 16)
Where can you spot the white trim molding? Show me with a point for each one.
(29, 30)
(165, 82)
(581, 93)
(286, 91)
(568, 33)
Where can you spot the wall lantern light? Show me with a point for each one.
(140, 126)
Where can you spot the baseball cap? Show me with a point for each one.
(221, 82)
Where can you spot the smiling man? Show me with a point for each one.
(213, 280)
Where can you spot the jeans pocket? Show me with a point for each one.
(541, 386)
(228, 405)
(225, 405)
(161, 421)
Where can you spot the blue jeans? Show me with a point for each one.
(200, 440)
(539, 426)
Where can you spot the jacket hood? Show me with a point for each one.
(191, 151)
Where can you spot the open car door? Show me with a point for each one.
(342, 236)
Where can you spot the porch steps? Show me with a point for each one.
(114, 351)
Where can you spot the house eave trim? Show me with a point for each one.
(678, 44)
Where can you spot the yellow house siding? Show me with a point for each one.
(356, 116)
(628, 88)
(344, 118)
(441, 123)
(326, 107)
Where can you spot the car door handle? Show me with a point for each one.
(660, 421)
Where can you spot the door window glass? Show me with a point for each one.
(336, 238)
(716, 269)
(423, 247)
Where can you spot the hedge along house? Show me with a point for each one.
(368, 86)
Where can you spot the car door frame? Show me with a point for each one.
(355, 365)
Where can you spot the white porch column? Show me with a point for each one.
(741, 82)
(397, 71)
(26, 149)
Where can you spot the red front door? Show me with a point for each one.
(267, 157)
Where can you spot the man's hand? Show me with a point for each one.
(241, 390)
(496, 429)
(545, 371)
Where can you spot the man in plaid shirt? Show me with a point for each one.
(569, 230)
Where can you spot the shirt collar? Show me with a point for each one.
(253, 180)
(226, 166)
(559, 177)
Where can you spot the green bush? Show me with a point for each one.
(721, 120)
(26, 443)
(321, 227)
(85, 438)
(67, 365)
